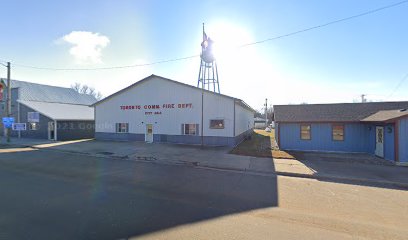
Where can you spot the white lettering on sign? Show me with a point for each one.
(19, 126)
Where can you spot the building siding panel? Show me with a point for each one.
(355, 138)
(167, 125)
(163, 138)
(216, 107)
(152, 92)
(41, 133)
(244, 120)
(403, 140)
(389, 139)
(72, 130)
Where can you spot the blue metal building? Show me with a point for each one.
(378, 128)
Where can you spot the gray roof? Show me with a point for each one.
(237, 100)
(386, 115)
(45, 93)
(61, 111)
(339, 112)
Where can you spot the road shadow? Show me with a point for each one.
(62, 195)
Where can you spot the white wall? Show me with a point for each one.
(157, 91)
(244, 119)
(218, 107)
(260, 125)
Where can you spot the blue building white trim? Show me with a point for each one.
(376, 128)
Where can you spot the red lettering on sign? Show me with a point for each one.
(156, 106)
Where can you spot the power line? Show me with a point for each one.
(241, 46)
(398, 86)
(329, 23)
(106, 68)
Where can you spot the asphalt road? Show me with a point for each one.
(56, 195)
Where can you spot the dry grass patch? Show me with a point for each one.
(261, 144)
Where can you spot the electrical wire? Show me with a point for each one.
(106, 68)
(398, 86)
(328, 23)
(241, 46)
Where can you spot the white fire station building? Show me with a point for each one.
(157, 109)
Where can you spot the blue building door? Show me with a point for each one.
(379, 141)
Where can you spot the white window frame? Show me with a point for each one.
(119, 128)
(185, 126)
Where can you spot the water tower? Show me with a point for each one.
(208, 75)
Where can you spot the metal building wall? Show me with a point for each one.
(356, 138)
(389, 145)
(403, 140)
(217, 107)
(14, 97)
(41, 133)
(167, 125)
(152, 92)
(73, 130)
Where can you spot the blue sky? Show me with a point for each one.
(337, 63)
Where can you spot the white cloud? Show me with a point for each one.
(86, 46)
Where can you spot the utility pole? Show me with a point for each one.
(266, 112)
(363, 100)
(8, 100)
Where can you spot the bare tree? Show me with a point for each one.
(85, 89)
(261, 114)
(76, 86)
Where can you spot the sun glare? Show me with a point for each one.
(227, 38)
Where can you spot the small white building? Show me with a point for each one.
(157, 109)
(260, 123)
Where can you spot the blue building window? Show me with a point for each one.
(305, 132)
(338, 132)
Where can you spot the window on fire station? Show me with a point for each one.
(122, 127)
(189, 129)
(217, 124)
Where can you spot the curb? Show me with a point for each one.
(360, 181)
(350, 180)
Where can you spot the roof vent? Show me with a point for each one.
(403, 110)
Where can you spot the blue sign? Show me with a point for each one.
(8, 122)
(19, 126)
